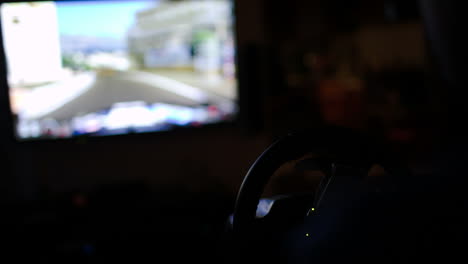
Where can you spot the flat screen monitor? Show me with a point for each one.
(116, 67)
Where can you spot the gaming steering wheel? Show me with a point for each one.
(344, 156)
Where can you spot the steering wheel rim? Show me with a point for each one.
(340, 145)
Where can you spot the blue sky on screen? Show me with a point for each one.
(99, 18)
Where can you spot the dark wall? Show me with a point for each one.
(208, 160)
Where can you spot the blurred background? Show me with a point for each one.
(363, 64)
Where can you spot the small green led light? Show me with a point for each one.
(310, 211)
(307, 234)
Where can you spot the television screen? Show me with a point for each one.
(116, 67)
